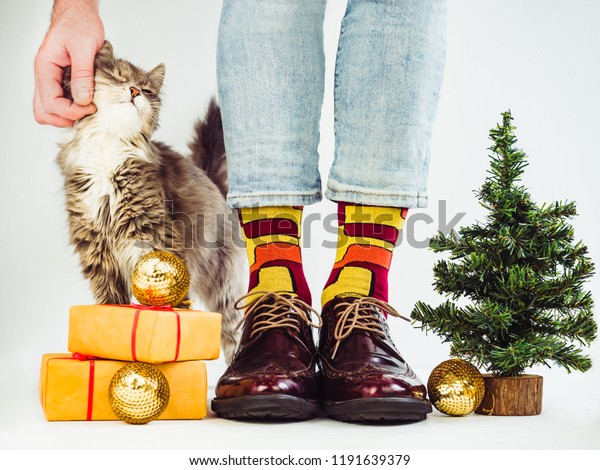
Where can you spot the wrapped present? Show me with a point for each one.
(75, 387)
(143, 333)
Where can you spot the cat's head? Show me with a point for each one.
(127, 97)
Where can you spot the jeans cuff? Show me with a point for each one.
(374, 197)
(237, 201)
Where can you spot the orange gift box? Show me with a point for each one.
(72, 389)
(142, 333)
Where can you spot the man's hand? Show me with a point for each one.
(75, 35)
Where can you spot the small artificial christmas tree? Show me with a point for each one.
(520, 274)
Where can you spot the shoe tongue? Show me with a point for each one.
(275, 330)
(334, 305)
(278, 341)
(340, 304)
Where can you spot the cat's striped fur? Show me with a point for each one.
(127, 194)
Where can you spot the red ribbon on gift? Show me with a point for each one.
(81, 357)
(139, 308)
(90, 404)
(163, 308)
(91, 375)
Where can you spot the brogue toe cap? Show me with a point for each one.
(265, 384)
(351, 387)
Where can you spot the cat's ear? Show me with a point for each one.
(105, 55)
(107, 50)
(66, 83)
(156, 76)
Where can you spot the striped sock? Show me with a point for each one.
(272, 236)
(366, 238)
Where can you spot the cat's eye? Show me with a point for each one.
(146, 91)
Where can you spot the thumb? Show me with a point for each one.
(82, 73)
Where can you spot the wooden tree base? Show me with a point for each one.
(511, 396)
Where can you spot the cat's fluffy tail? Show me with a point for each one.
(208, 147)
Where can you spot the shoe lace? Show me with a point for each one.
(361, 314)
(277, 309)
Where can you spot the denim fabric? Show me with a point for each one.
(271, 68)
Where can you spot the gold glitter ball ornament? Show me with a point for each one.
(160, 278)
(456, 387)
(138, 393)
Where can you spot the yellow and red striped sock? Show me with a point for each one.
(367, 236)
(272, 236)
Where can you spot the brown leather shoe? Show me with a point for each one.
(364, 376)
(273, 372)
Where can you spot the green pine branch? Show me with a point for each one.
(521, 273)
(577, 326)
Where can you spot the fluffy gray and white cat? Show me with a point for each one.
(127, 195)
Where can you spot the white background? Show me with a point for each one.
(539, 58)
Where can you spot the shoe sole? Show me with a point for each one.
(265, 407)
(379, 410)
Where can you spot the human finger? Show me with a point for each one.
(82, 73)
(50, 93)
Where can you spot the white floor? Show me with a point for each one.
(570, 420)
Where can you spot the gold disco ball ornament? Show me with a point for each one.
(456, 387)
(160, 278)
(138, 393)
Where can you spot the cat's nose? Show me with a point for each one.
(134, 91)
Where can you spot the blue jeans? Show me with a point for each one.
(388, 71)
